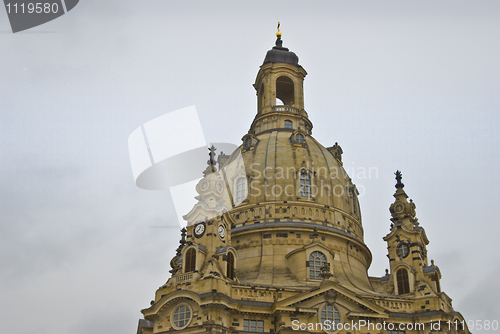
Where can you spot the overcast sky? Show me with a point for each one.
(398, 84)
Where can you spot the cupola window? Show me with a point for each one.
(316, 261)
(288, 124)
(190, 260)
(403, 282)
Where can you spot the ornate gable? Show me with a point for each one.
(333, 293)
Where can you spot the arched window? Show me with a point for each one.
(230, 265)
(305, 184)
(403, 283)
(190, 260)
(241, 192)
(330, 317)
(288, 124)
(316, 261)
(285, 90)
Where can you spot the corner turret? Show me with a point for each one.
(407, 242)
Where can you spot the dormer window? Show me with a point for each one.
(248, 142)
(316, 261)
(305, 184)
(299, 138)
(241, 191)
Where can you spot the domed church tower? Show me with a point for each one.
(277, 246)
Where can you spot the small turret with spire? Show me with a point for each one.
(402, 211)
(407, 249)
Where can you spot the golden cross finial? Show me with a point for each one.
(278, 34)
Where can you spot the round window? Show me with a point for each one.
(299, 138)
(181, 316)
(330, 318)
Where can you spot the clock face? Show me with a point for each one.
(403, 250)
(199, 230)
(219, 187)
(399, 208)
(222, 231)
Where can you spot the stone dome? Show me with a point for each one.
(298, 175)
(299, 199)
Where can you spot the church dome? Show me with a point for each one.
(301, 180)
(279, 54)
(290, 195)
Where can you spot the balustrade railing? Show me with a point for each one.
(286, 109)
